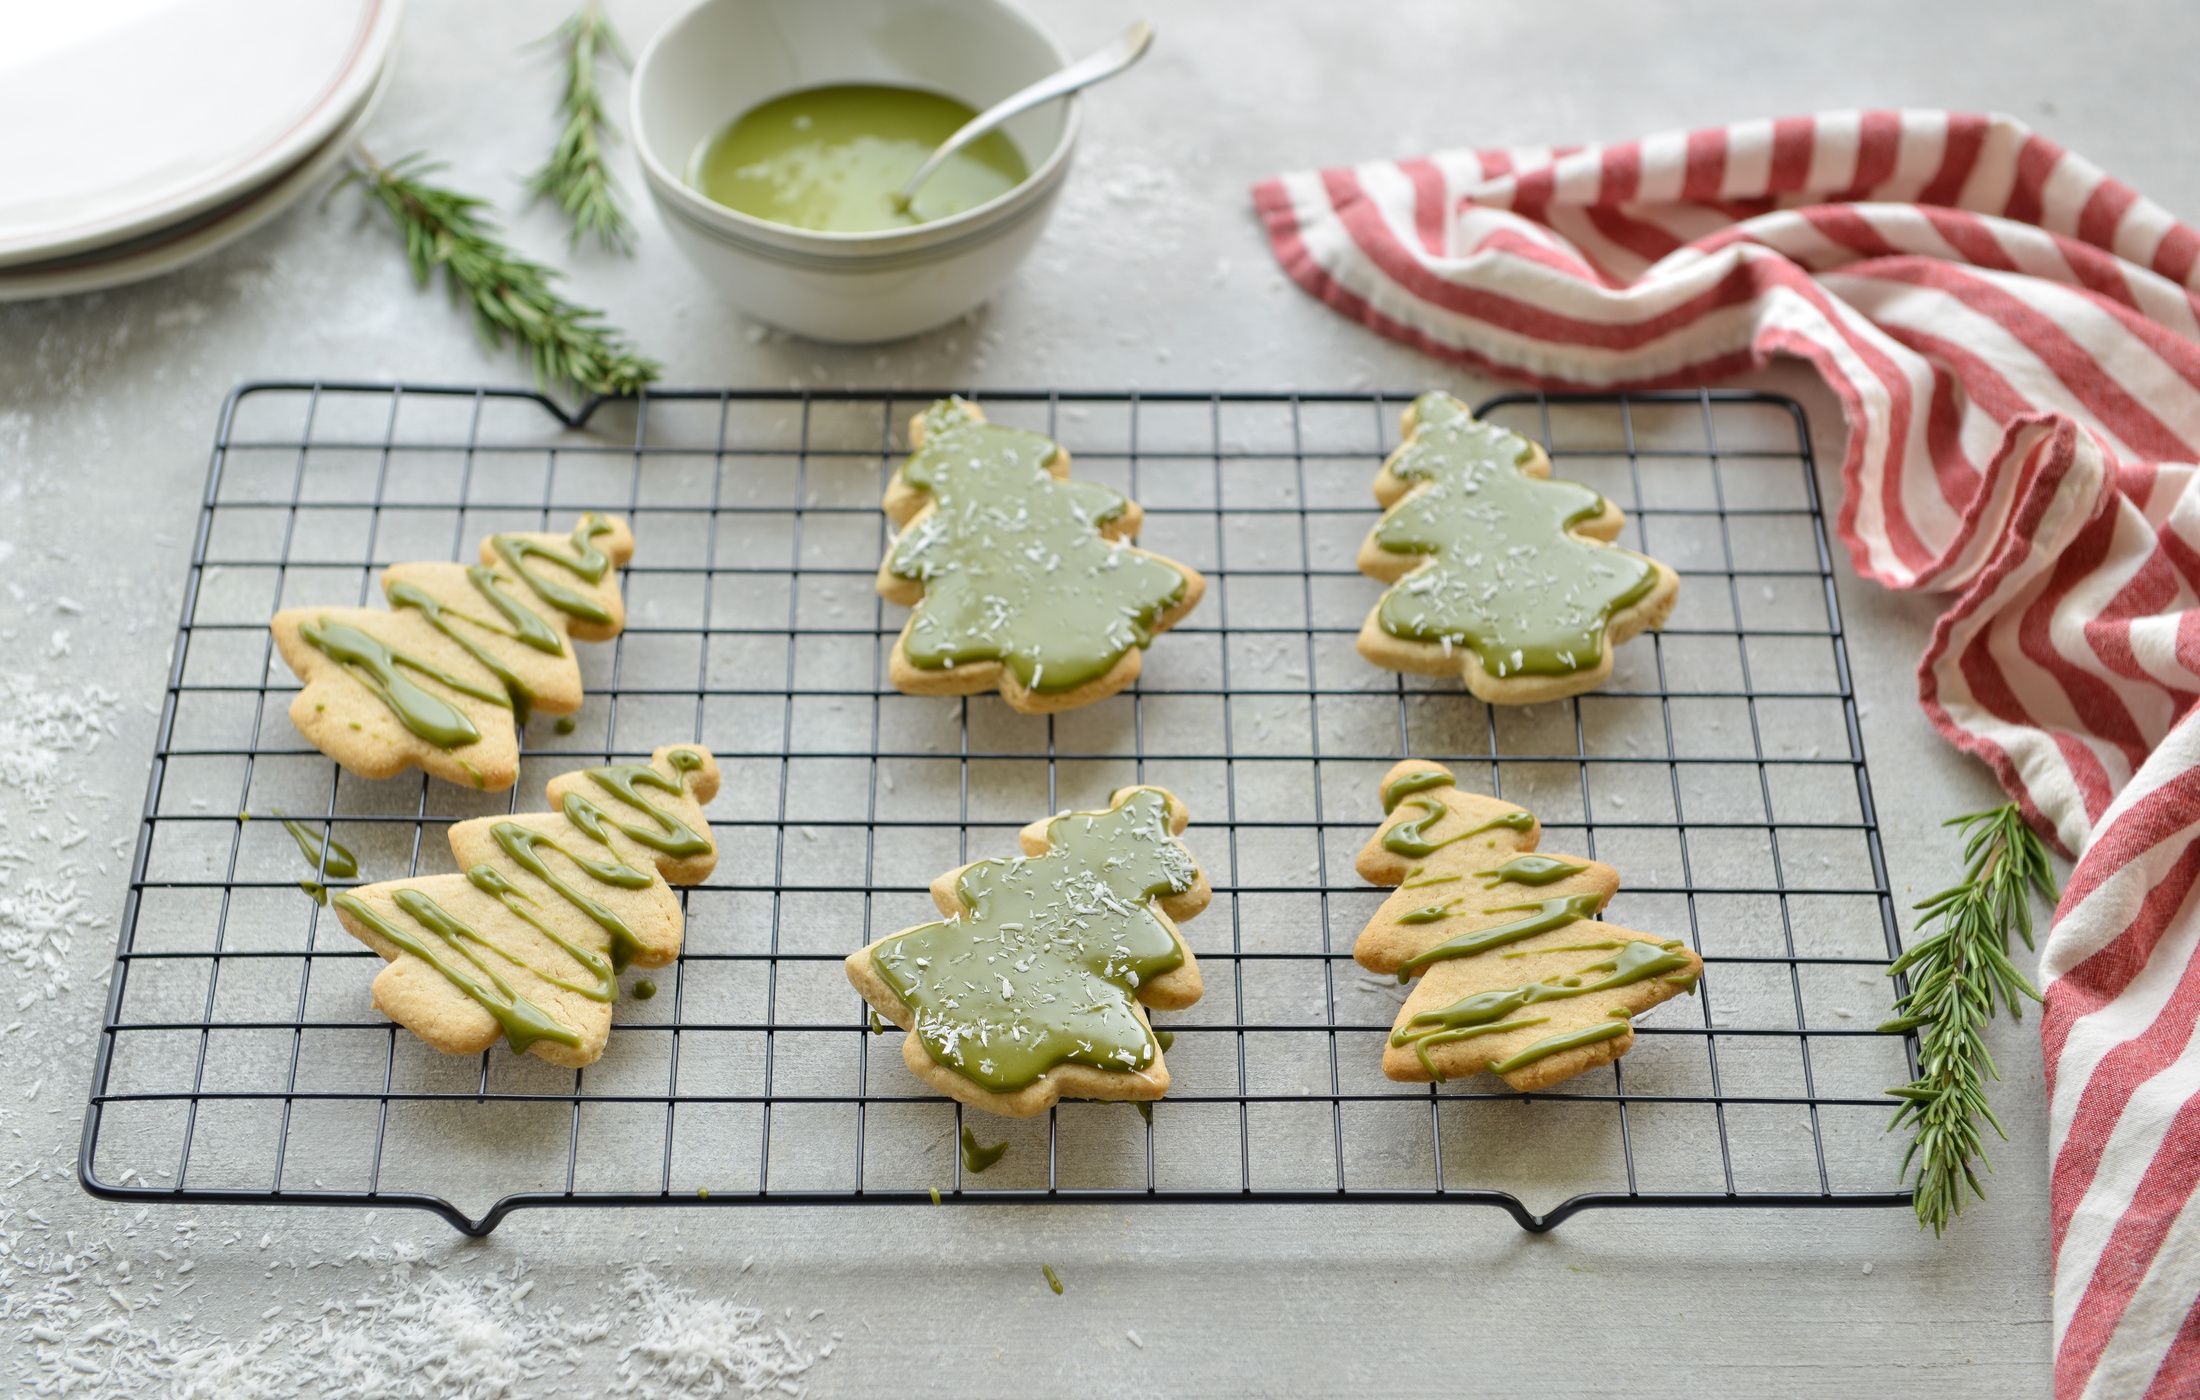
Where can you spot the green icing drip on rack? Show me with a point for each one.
(976, 1157)
(332, 859)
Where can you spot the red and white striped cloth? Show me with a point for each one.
(2015, 340)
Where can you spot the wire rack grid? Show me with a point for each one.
(1721, 770)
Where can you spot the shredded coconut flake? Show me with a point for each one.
(41, 907)
(38, 727)
(419, 1329)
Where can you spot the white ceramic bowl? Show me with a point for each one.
(726, 56)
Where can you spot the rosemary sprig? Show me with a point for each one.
(1957, 977)
(511, 296)
(576, 175)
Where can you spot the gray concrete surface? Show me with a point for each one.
(1151, 276)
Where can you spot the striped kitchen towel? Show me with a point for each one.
(2015, 341)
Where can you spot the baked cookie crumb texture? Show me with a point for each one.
(1499, 575)
(1020, 578)
(1034, 988)
(1517, 975)
(443, 679)
(527, 943)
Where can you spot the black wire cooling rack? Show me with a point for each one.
(1721, 771)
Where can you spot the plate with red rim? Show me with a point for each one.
(142, 115)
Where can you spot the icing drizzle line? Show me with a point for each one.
(454, 949)
(1485, 1013)
(1497, 1010)
(524, 1022)
(382, 668)
(1564, 1040)
(1406, 784)
(1529, 870)
(1410, 838)
(1544, 915)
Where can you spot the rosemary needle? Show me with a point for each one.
(1958, 976)
(511, 296)
(575, 174)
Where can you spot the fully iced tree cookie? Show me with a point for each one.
(527, 943)
(1498, 573)
(1517, 974)
(1035, 986)
(1020, 578)
(443, 679)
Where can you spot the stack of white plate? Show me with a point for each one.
(143, 134)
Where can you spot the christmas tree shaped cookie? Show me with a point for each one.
(1035, 986)
(443, 679)
(1020, 577)
(1497, 572)
(1517, 974)
(527, 943)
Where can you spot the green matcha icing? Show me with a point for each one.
(1564, 1040)
(1013, 564)
(1411, 838)
(1505, 579)
(1490, 1012)
(382, 668)
(1429, 913)
(483, 634)
(665, 832)
(1043, 966)
(433, 934)
(978, 1156)
(580, 557)
(1543, 916)
(334, 859)
(1405, 785)
(1529, 870)
(1636, 961)
(602, 984)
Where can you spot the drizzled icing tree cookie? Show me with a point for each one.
(526, 943)
(1020, 578)
(1035, 986)
(1498, 573)
(1517, 974)
(444, 677)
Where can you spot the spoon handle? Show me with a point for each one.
(1082, 74)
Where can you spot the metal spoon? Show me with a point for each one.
(1082, 74)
